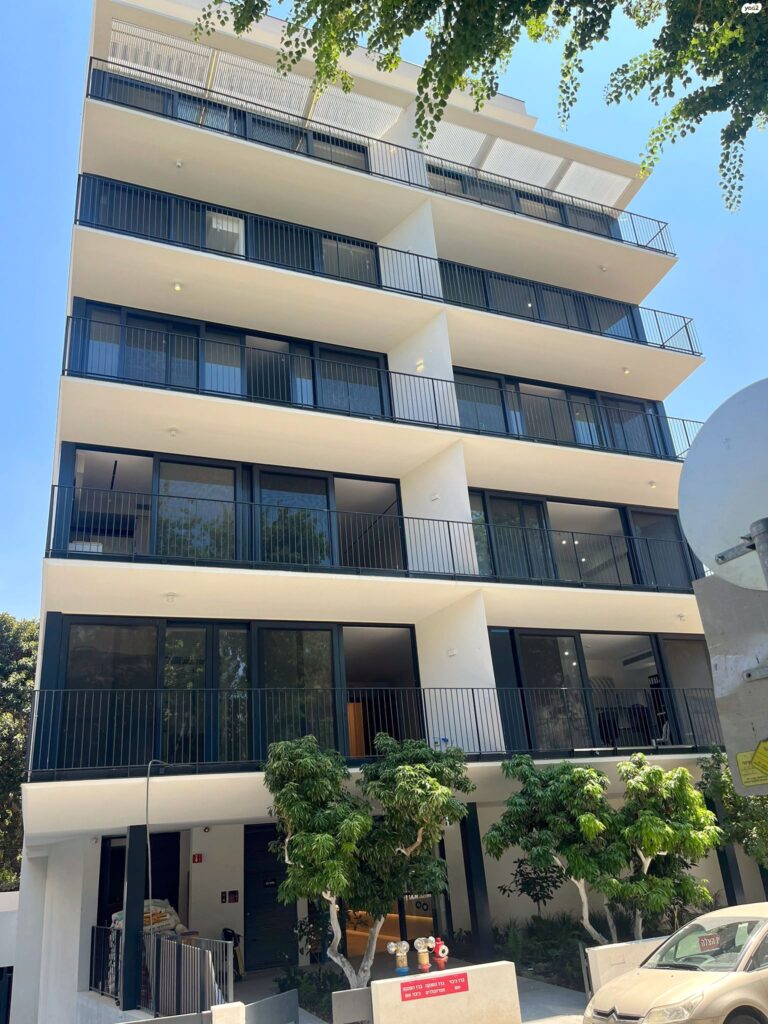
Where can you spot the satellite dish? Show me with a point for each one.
(724, 485)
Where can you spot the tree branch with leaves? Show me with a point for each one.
(707, 57)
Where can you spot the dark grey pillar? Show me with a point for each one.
(477, 888)
(733, 886)
(133, 919)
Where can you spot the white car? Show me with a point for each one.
(714, 970)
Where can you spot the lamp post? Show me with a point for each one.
(164, 764)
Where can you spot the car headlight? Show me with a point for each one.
(675, 1012)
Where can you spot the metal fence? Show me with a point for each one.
(184, 976)
(176, 220)
(101, 732)
(201, 365)
(89, 522)
(150, 92)
(106, 963)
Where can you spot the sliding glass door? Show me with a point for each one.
(196, 512)
(297, 692)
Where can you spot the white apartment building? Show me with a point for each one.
(352, 437)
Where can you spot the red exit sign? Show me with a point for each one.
(197, 858)
(435, 985)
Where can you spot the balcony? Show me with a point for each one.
(100, 733)
(193, 364)
(92, 523)
(168, 98)
(173, 220)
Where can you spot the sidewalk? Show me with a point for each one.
(542, 1003)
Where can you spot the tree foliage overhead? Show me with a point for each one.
(744, 819)
(707, 56)
(18, 658)
(367, 846)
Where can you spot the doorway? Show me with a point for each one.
(269, 925)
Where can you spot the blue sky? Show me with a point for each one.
(717, 280)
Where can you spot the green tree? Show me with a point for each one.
(538, 884)
(707, 56)
(667, 829)
(560, 817)
(18, 658)
(367, 845)
(743, 819)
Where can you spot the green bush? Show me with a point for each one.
(315, 986)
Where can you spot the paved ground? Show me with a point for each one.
(550, 1004)
(540, 1003)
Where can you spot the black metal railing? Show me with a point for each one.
(150, 92)
(193, 363)
(88, 522)
(184, 976)
(102, 731)
(162, 217)
(105, 967)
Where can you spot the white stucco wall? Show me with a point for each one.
(222, 849)
(421, 363)
(9, 905)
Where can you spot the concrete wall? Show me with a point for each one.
(9, 905)
(425, 357)
(222, 848)
(71, 894)
(401, 267)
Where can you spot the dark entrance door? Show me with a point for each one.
(269, 925)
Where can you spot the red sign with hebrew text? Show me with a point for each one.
(434, 985)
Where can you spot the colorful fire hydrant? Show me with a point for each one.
(400, 952)
(440, 954)
(423, 947)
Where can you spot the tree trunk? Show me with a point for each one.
(355, 979)
(638, 924)
(333, 950)
(588, 926)
(611, 924)
(364, 973)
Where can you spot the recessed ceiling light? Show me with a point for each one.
(625, 370)
(603, 267)
(179, 163)
(177, 286)
(652, 484)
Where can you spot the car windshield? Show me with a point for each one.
(715, 946)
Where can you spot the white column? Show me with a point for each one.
(402, 267)
(458, 687)
(71, 900)
(422, 386)
(29, 937)
(437, 490)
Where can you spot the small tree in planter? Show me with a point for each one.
(666, 826)
(367, 848)
(560, 818)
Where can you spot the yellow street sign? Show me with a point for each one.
(751, 773)
(760, 757)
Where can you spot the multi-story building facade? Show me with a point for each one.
(352, 437)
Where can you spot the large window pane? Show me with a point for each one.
(521, 544)
(629, 704)
(553, 695)
(350, 382)
(689, 672)
(234, 698)
(369, 530)
(145, 356)
(225, 233)
(278, 371)
(196, 512)
(107, 712)
(481, 534)
(294, 520)
(108, 511)
(480, 403)
(661, 551)
(351, 261)
(183, 703)
(297, 677)
(589, 544)
(101, 342)
(631, 429)
(223, 362)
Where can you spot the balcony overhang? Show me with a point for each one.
(218, 168)
(121, 269)
(89, 587)
(56, 810)
(147, 419)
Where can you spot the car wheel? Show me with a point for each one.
(743, 1017)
